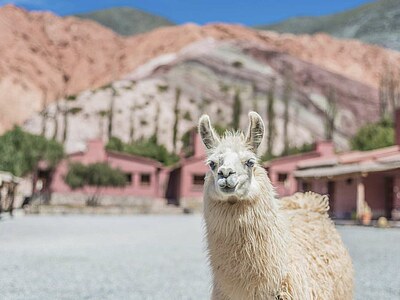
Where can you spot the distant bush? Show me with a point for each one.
(307, 147)
(144, 147)
(75, 110)
(162, 88)
(20, 151)
(71, 98)
(97, 174)
(237, 64)
(220, 129)
(374, 136)
(187, 116)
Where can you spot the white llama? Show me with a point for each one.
(260, 247)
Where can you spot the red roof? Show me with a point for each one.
(137, 158)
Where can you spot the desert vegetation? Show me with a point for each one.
(21, 152)
(144, 147)
(97, 175)
(374, 136)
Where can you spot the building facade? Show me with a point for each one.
(146, 178)
(186, 179)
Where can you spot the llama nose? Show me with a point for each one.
(225, 172)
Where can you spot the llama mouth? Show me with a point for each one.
(227, 190)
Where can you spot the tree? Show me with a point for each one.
(63, 93)
(287, 94)
(177, 117)
(20, 152)
(156, 120)
(44, 112)
(55, 118)
(67, 111)
(330, 114)
(389, 91)
(102, 114)
(144, 147)
(271, 127)
(237, 110)
(254, 95)
(97, 175)
(132, 111)
(374, 136)
(110, 113)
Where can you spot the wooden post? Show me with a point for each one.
(360, 197)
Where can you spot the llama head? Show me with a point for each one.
(232, 159)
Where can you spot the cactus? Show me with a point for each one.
(271, 127)
(237, 110)
(177, 117)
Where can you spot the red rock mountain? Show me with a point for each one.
(44, 57)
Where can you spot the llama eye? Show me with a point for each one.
(212, 165)
(250, 163)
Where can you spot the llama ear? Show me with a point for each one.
(207, 133)
(255, 132)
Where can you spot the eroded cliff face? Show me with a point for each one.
(45, 57)
(209, 74)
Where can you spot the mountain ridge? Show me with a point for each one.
(126, 21)
(64, 57)
(374, 23)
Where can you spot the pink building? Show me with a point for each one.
(354, 180)
(280, 170)
(186, 180)
(146, 177)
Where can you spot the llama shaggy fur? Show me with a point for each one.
(260, 247)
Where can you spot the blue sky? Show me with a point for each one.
(250, 12)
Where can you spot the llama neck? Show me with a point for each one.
(249, 235)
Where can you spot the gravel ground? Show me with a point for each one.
(148, 257)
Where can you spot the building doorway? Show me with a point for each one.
(331, 194)
(389, 185)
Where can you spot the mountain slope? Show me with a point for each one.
(208, 73)
(375, 23)
(45, 57)
(126, 21)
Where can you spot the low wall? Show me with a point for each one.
(77, 203)
(194, 204)
(80, 199)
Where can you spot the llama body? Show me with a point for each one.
(260, 247)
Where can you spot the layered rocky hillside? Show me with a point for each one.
(46, 58)
(204, 77)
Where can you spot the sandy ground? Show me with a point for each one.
(148, 257)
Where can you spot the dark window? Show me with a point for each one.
(282, 177)
(349, 181)
(198, 179)
(129, 177)
(145, 179)
(306, 186)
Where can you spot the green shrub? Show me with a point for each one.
(162, 88)
(97, 174)
(237, 64)
(307, 147)
(187, 116)
(75, 110)
(374, 136)
(20, 151)
(144, 147)
(71, 98)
